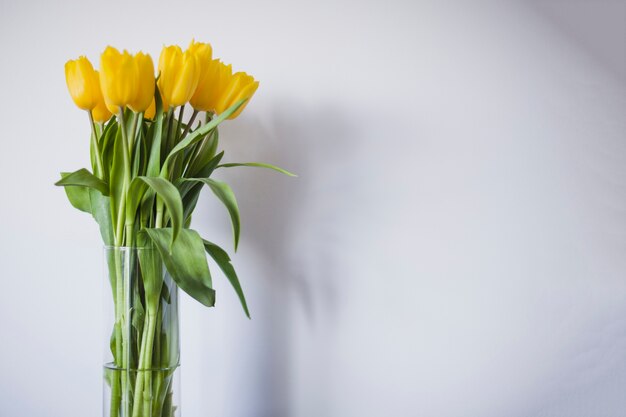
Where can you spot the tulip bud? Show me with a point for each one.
(82, 83)
(144, 94)
(212, 83)
(118, 79)
(179, 75)
(240, 86)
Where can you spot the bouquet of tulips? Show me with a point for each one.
(148, 167)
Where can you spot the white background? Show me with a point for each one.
(455, 244)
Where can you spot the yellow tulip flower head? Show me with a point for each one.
(240, 86)
(100, 113)
(203, 51)
(118, 79)
(82, 83)
(151, 111)
(212, 84)
(144, 73)
(180, 73)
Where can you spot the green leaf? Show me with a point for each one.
(146, 208)
(92, 151)
(117, 175)
(186, 262)
(134, 196)
(78, 196)
(190, 191)
(166, 191)
(225, 194)
(101, 212)
(204, 155)
(185, 186)
(83, 178)
(208, 168)
(258, 165)
(107, 146)
(200, 132)
(138, 314)
(154, 161)
(93, 202)
(152, 275)
(140, 153)
(222, 259)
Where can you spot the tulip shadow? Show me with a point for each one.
(282, 226)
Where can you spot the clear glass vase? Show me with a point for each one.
(142, 349)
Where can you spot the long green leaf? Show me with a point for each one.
(107, 144)
(166, 191)
(101, 212)
(222, 259)
(83, 178)
(78, 196)
(154, 161)
(116, 174)
(93, 202)
(200, 132)
(204, 155)
(257, 165)
(225, 194)
(190, 191)
(186, 262)
(152, 274)
(185, 186)
(208, 168)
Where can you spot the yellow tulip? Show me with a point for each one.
(240, 86)
(203, 51)
(151, 110)
(82, 83)
(100, 113)
(179, 77)
(144, 73)
(118, 79)
(213, 82)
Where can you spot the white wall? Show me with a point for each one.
(454, 246)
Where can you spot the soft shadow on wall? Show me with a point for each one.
(595, 27)
(288, 241)
(593, 366)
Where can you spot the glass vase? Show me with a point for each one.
(142, 349)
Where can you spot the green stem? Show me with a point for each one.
(96, 147)
(121, 357)
(169, 142)
(121, 299)
(130, 220)
(133, 130)
(139, 380)
(159, 216)
(193, 118)
(116, 398)
(147, 364)
(126, 155)
(175, 163)
(181, 112)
